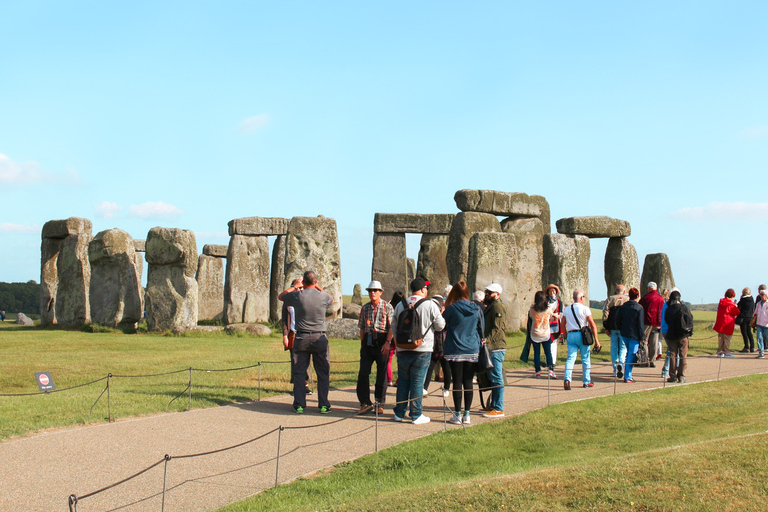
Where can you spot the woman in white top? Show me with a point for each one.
(540, 314)
(574, 317)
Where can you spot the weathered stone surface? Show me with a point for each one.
(357, 295)
(258, 226)
(656, 268)
(432, 253)
(171, 297)
(49, 279)
(115, 288)
(438, 223)
(140, 246)
(277, 278)
(594, 227)
(138, 262)
(515, 204)
(566, 264)
(524, 225)
(64, 228)
(493, 259)
(312, 243)
(465, 225)
(74, 270)
(389, 262)
(351, 311)
(210, 286)
(410, 269)
(251, 307)
(247, 271)
(252, 329)
(621, 265)
(529, 235)
(217, 251)
(208, 328)
(22, 319)
(343, 328)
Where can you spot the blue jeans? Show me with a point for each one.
(632, 347)
(574, 347)
(411, 372)
(537, 348)
(496, 378)
(618, 349)
(762, 337)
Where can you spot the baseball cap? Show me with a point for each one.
(418, 283)
(494, 287)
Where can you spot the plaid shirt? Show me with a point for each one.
(378, 319)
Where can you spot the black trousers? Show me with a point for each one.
(311, 345)
(369, 355)
(746, 333)
(446, 371)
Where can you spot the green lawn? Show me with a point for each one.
(689, 448)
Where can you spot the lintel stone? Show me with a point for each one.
(594, 227)
(258, 226)
(140, 246)
(517, 204)
(437, 224)
(217, 251)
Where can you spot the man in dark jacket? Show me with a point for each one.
(652, 303)
(629, 322)
(495, 329)
(680, 322)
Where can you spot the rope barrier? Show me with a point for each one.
(55, 390)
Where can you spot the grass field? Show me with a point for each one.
(75, 357)
(689, 448)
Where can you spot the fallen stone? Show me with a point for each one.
(493, 259)
(210, 288)
(656, 268)
(208, 328)
(515, 204)
(140, 246)
(115, 287)
(312, 243)
(258, 226)
(621, 265)
(247, 271)
(594, 227)
(357, 296)
(217, 251)
(438, 223)
(343, 328)
(66, 227)
(351, 311)
(389, 262)
(22, 319)
(252, 329)
(433, 250)
(566, 264)
(465, 225)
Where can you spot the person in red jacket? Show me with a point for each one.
(652, 303)
(727, 311)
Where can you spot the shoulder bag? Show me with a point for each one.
(587, 337)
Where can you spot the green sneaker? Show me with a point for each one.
(298, 409)
(325, 409)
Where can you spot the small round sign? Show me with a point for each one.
(43, 378)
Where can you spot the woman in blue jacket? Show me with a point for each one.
(629, 322)
(463, 336)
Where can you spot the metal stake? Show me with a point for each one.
(165, 478)
(376, 443)
(189, 406)
(259, 398)
(719, 365)
(277, 465)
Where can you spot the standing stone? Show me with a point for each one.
(411, 272)
(210, 284)
(432, 255)
(115, 288)
(138, 262)
(251, 308)
(276, 279)
(529, 237)
(566, 264)
(621, 265)
(464, 226)
(357, 296)
(493, 259)
(49, 280)
(312, 243)
(172, 293)
(247, 271)
(389, 263)
(656, 268)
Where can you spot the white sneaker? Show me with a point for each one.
(397, 418)
(446, 393)
(421, 420)
(455, 419)
(466, 419)
(426, 392)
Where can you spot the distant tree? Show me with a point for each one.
(20, 297)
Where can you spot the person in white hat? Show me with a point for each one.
(375, 324)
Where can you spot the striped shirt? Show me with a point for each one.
(376, 319)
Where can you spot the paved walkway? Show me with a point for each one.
(41, 471)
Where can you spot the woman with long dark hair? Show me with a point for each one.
(540, 313)
(463, 336)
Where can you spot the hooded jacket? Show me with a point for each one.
(464, 328)
(726, 317)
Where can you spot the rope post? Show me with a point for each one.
(72, 503)
(376, 442)
(549, 379)
(165, 478)
(277, 465)
(259, 398)
(445, 408)
(719, 365)
(189, 403)
(616, 378)
(109, 401)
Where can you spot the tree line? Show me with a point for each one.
(20, 297)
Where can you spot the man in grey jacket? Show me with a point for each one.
(412, 364)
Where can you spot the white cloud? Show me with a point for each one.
(27, 173)
(18, 228)
(754, 132)
(718, 211)
(253, 123)
(107, 210)
(154, 210)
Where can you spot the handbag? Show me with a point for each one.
(484, 362)
(753, 322)
(587, 337)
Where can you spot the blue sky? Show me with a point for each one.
(190, 114)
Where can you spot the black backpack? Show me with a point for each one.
(686, 322)
(609, 322)
(408, 335)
